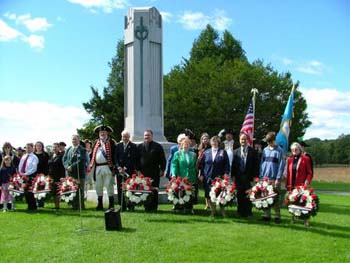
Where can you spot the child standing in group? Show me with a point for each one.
(6, 171)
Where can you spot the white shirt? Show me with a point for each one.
(214, 152)
(32, 163)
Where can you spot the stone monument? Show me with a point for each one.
(143, 81)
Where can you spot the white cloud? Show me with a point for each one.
(194, 20)
(37, 24)
(8, 33)
(166, 16)
(197, 20)
(329, 112)
(35, 41)
(60, 19)
(312, 67)
(287, 61)
(32, 24)
(220, 20)
(106, 6)
(39, 121)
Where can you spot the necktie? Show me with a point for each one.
(24, 166)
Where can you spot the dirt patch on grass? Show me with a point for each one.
(332, 174)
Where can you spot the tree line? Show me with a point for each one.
(206, 92)
(335, 151)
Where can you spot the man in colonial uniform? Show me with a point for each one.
(102, 165)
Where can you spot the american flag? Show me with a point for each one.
(248, 124)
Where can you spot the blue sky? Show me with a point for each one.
(51, 52)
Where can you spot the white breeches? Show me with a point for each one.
(104, 178)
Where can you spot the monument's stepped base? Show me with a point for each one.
(162, 196)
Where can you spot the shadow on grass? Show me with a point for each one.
(322, 229)
(334, 209)
(202, 216)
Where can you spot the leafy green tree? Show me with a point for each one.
(212, 90)
(108, 108)
(208, 91)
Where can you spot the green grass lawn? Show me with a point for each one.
(46, 236)
(331, 186)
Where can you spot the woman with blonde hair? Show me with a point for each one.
(184, 165)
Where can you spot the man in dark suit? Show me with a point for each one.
(244, 169)
(152, 164)
(74, 161)
(126, 161)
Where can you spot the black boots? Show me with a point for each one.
(111, 202)
(100, 203)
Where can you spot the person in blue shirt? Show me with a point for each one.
(272, 167)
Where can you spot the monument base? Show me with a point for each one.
(162, 195)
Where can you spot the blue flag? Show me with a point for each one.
(283, 134)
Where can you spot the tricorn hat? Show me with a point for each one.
(62, 144)
(103, 128)
(189, 134)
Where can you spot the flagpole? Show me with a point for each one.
(254, 91)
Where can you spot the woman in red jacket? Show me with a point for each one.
(299, 171)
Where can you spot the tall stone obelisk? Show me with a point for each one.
(143, 101)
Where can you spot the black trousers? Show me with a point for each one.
(29, 196)
(244, 205)
(121, 197)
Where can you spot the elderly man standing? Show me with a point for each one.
(126, 160)
(152, 164)
(28, 166)
(102, 165)
(74, 161)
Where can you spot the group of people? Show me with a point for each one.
(108, 162)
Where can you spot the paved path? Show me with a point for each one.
(333, 192)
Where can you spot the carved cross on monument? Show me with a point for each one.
(143, 80)
(141, 33)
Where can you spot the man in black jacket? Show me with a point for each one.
(151, 164)
(126, 161)
(244, 169)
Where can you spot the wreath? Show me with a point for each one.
(302, 202)
(138, 189)
(222, 191)
(179, 191)
(67, 188)
(41, 186)
(18, 184)
(262, 194)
